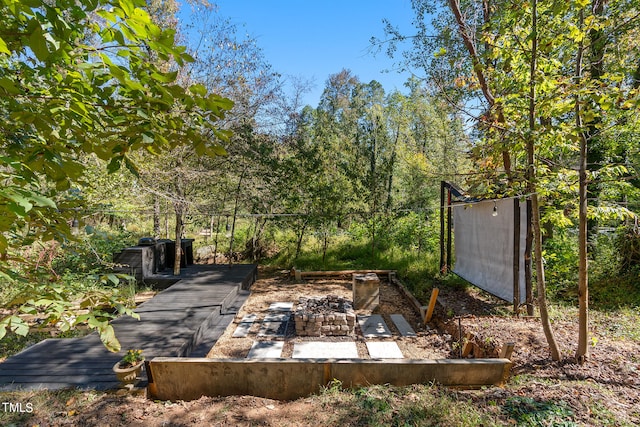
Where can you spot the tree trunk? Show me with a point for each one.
(300, 237)
(392, 162)
(325, 244)
(540, 280)
(582, 352)
(235, 214)
(178, 254)
(494, 108)
(258, 237)
(596, 156)
(210, 233)
(156, 216)
(215, 244)
(532, 188)
(179, 206)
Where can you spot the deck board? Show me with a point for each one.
(186, 316)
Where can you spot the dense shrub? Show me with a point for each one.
(628, 246)
(91, 253)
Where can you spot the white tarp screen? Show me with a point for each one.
(484, 246)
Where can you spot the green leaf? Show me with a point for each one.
(18, 326)
(113, 279)
(114, 164)
(164, 77)
(108, 338)
(9, 86)
(20, 200)
(3, 47)
(38, 44)
(198, 89)
(3, 243)
(131, 167)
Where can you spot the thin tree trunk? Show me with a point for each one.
(235, 214)
(596, 156)
(540, 280)
(258, 236)
(156, 216)
(300, 237)
(178, 230)
(166, 221)
(210, 234)
(532, 188)
(391, 169)
(582, 352)
(325, 244)
(215, 244)
(179, 210)
(478, 69)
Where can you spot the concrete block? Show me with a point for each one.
(366, 291)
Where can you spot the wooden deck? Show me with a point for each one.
(184, 320)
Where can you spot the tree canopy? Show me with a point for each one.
(81, 79)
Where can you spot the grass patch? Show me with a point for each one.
(418, 269)
(54, 406)
(528, 412)
(418, 405)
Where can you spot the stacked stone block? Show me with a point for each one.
(330, 316)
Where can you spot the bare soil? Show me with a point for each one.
(606, 387)
(428, 344)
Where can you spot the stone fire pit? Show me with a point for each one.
(331, 315)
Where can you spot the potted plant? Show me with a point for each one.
(128, 368)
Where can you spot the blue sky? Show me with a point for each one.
(312, 39)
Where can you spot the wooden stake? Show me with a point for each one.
(468, 344)
(432, 305)
(507, 350)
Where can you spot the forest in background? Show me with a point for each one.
(103, 143)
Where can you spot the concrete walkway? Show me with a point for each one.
(184, 320)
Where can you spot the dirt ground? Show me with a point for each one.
(428, 344)
(608, 382)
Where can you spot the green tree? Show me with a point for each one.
(76, 79)
(551, 59)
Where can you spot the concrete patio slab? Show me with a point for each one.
(384, 350)
(374, 326)
(274, 325)
(325, 350)
(276, 317)
(403, 326)
(281, 307)
(266, 350)
(242, 330)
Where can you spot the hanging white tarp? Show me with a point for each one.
(484, 246)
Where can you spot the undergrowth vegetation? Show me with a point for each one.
(408, 246)
(78, 272)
